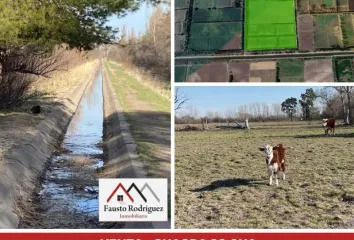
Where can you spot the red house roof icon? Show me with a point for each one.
(116, 189)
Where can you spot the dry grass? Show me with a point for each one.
(222, 181)
(61, 83)
(146, 79)
(45, 92)
(80, 161)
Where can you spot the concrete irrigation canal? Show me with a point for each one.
(70, 187)
(51, 180)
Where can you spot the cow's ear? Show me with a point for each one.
(275, 148)
(261, 149)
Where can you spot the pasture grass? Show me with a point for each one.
(221, 179)
(123, 81)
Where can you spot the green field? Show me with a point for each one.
(347, 30)
(270, 24)
(180, 73)
(344, 69)
(327, 31)
(217, 15)
(213, 36)
(291, 71)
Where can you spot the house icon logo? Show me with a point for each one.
(132, 199)
(126, 191)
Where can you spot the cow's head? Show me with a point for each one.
(268, 151)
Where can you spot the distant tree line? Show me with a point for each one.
(326, 102)
(151, 51)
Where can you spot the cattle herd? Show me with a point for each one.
(275, 156)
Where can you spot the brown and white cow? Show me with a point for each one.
(329, 124)
(275, 160)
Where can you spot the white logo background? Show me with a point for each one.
(157, 201)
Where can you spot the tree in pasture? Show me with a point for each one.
(327, 97)
(345, 99)
(307, 102)
(289, 107)
(349, 92)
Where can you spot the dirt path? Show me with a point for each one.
(155, 129)
(149, 124)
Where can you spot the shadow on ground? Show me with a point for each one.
(350, 135)
(229, 183)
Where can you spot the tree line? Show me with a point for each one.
(151, 51)
(326, 102)
(32, 31)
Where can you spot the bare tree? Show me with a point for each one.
(180, 99)
(348, 91)
(277, 110)
(326, 97)
(20, 66)
(192, 112)
(265, 110)
(229, 115)
(342, 92)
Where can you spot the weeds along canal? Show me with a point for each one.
(68, 195)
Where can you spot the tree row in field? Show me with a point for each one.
(325, 102)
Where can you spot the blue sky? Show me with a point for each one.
(220, 99)
(136, 20)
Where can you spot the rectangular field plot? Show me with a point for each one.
(240, 71)
(322, 6)
(209, 72)
(216, 25)
(253, 71)
(327, 31)
(344, 68)
(319, 70)
(180, 73)
(305, 31)
(213, 3)
(215, 36)
(270, 24)
(217, 15)
(180, 4)
(181, 12)
(291, 71)
(347, 21)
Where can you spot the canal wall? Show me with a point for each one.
(20, 172)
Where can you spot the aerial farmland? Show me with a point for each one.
(264, 40)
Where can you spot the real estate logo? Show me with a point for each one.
(133, 200)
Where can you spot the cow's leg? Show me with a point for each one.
(276, 179)
(283, 165)
(270, 178)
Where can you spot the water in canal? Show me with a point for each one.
(69, 194)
